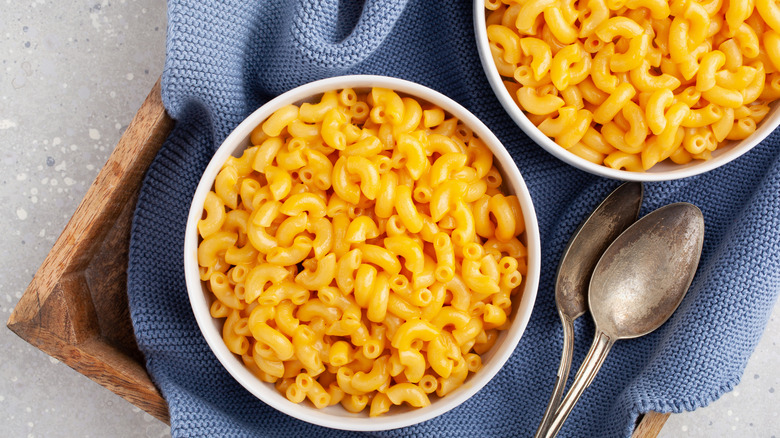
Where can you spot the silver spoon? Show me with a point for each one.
(637, 285)
(618, 210)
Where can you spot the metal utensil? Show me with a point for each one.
(637, 285)
(618, 210)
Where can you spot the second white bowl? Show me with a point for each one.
(660, 172)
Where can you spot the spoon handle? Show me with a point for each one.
(590, 366)
(563, 374)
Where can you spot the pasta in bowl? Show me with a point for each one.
(635, 89)
(362, 253)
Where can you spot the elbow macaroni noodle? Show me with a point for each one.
(630, 83)
(361, 251)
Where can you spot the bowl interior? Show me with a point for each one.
(336, 416)
(663, 171)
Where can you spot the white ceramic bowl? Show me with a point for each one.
(335, 416)
(660, 172)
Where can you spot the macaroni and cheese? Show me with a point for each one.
(361, 251)
(630, 83)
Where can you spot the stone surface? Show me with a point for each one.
(72, 75)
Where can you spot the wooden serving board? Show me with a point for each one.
(75, 309)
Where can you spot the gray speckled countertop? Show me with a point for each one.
(73, 74)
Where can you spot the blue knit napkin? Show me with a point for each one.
(226, 58)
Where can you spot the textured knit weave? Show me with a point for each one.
(224, 59)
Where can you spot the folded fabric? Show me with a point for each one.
(226, 58)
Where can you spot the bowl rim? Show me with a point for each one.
(660, 172)
(200, 307)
